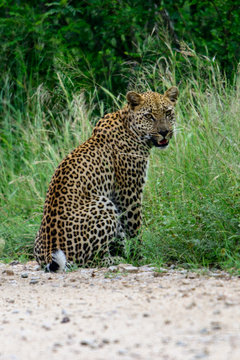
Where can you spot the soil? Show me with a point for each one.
(122, 312)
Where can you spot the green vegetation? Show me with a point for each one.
(96, 38)
(63, 67)
(191, 200)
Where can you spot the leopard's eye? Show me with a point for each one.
(168, 112)
(149, 116)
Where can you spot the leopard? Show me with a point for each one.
(94, 201)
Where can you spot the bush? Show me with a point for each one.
(94, 40)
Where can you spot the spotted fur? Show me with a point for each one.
(95, 195)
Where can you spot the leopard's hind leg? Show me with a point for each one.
(85, 235)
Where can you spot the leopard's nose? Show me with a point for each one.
(163, 133)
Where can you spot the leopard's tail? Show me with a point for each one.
(58, 263)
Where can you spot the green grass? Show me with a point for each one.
(191, 199)
(192, 207)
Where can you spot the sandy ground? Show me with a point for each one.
(118, 313)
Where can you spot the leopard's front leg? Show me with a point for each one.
(130, 214)
(130, 172)
(131, 220)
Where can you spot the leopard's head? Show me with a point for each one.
(152, 117)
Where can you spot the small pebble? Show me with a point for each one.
(230, 303)
(65, 320)
(146, 268)
(192, 275)
(180, 343)
(46, 326)
(91, 343)
(216, 325)
(37, 268)
(130, 269)
(201, 355)
(220, 275)
(8, 272)
(105, 341)
(191, 305)
(113, 268)
(15, 262)
(158, 274)
(55, 285)
(34, 281)
(183, 271)
(127, 268)
(146, 315)
(15, 311)
(122, 352)
(10, 301)
(24, 275)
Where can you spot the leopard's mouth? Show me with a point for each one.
(163, 143)
(158, 143)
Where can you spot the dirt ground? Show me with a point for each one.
(122, 313)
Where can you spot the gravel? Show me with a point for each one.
(123, 312)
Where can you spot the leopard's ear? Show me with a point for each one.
(172, 94)
(134, 99)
